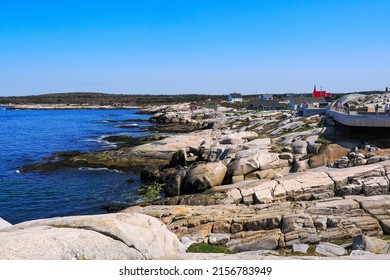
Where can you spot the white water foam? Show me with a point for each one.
(100, 169)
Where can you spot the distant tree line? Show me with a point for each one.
(108, 99)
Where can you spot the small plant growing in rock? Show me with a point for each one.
(149, 192)
(208, 248)
(323, 140)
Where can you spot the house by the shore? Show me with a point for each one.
(268, 105)
(309, 105)
(266, 96)
(234, 97)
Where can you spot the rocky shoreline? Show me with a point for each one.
(261, 184)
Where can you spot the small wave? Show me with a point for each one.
(127, 125)
(104, 143)
(100, 169)
(101, 140)
(90, 140)
(17, 171)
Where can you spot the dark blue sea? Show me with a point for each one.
(30, 136)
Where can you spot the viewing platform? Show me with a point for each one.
(363, 117)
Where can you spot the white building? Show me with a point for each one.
(235, 97)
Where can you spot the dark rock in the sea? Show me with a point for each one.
(114, 208)
(150, 173)
(63, 155)
(41, 167)
(118, 139)
(130, 180)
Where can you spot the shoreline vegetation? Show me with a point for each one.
(260, 185)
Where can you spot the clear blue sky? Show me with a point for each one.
(186, 46)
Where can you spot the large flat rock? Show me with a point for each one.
(110, 236)
(342, 176)
(305, 186)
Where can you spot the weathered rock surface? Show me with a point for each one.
(327, 155)
(204, 176)
(300, 248)
(110, 236)
(330, 250)
(158, 153)
(300, 147)
(371, 244)
(250, 161)
(275, 225)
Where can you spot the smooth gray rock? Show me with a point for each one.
(204, 176)
(258, 240)
(300, 248)
(299, 147)
(109, 236)
(219, 238)
(247, 153)
(350, 189)
(186, 241)
(330, 250)
(375, 186)
(373, 159)
(262, 143)
(371, 244)
(300, 165)
(247, 134)
(312, 146)
(361, 253)
(245, 165)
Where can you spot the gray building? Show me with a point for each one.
(268, 105)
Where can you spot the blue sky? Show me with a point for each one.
(213, 47)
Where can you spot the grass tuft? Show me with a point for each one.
(207, 248)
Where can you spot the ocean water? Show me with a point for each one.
(30, 136)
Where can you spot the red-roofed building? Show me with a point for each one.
(320, 93)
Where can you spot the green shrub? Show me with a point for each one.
(149, 192)
(323, 140)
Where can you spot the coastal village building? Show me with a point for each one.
(320, 93)
(312, 102)
(194, 107)
(266, 96)
(235, 97)
(309, 105)
(268, 105)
